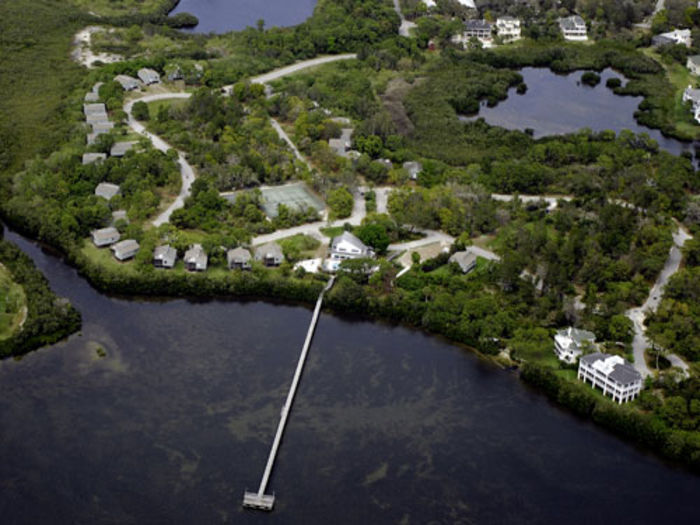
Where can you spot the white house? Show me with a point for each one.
(508, 28)
(346, 246)
(692, 95)
(693, 64)
(148, 76)
(479, 29)
(164, 256)
(570, 343)
(105, 236)
(196, 259)
(466, 3)
(612, 374)
(677, 37)
(413, 168)
(125, 249)
(573, 28)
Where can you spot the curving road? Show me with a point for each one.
(186, 171)
(638, 315)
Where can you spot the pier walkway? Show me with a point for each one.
(259, 500)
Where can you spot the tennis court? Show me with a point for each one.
(295, 196)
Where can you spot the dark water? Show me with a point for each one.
(556, 104)
(389, 426)
(221, 16)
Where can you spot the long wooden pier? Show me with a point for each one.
(259, 500)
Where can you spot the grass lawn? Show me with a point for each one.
(333, 231)
(154, 107)
(12, 304)
(300, 246)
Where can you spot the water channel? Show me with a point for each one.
(389, 425)
(221, 16)
(557, 104)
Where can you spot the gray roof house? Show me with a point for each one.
(119, 149)
(478, 28)
(94, 109)
(269, 254)
(125, 249)
(107, 190)
(612, 374)
(693, 64)
(119, 215)
(238, 258)
(127, 82)
(413, 168)
(196, 259)
(164, 256)
(466, 260)
(102, 126)
(148, 76)
(105, 236)
(94, 95)
(343, 144)
(570, 343)
(89, 158)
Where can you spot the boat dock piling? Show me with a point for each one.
(259, 500)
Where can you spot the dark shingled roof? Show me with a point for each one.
(625, 374)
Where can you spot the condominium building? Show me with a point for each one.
(612, 374)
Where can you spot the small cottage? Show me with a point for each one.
(413, 169)
(107, 190)
(89, 158)
(196, 259)
(127, 82)
(105, 236)
(164, 256)
(693, 64)
(466, 260)
(148, 76)
(125, 249)
(269, 254)
(238, 258)
(119, 149)
(573, 28)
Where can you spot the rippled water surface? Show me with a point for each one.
(389, 426)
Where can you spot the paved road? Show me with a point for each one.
(551, 200)
(294, 68)
(186, 172)
(406, 26)
(638, 315)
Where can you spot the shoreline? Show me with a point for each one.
(629, 424)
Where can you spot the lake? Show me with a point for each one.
(221, 16)
(557, 104)
(389, 426)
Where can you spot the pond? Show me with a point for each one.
(557, 104)
(389, 425)
(221, 16)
